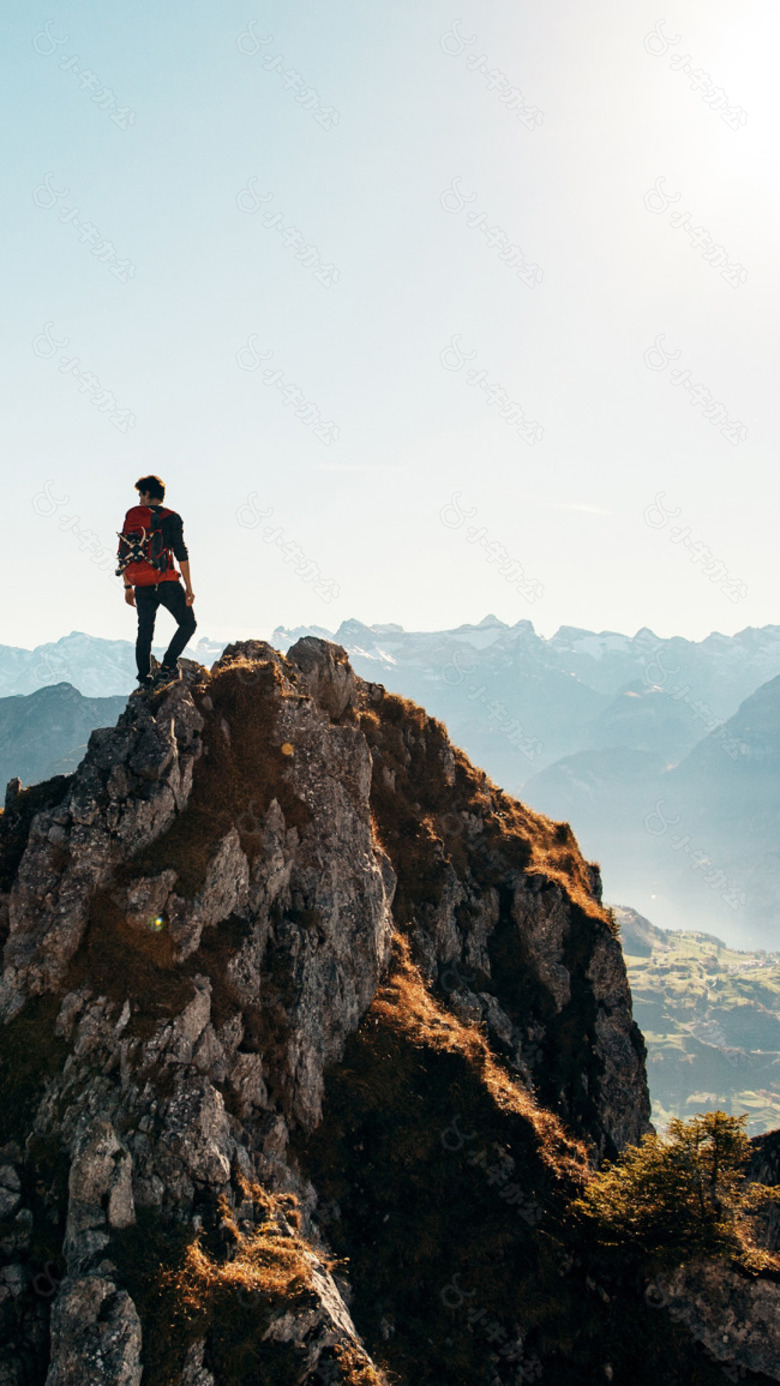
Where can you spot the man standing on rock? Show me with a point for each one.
(152, 537)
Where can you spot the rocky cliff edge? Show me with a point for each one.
(310, 1033)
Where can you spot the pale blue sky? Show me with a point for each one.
(366, 194)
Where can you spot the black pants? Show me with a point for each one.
(147, 600)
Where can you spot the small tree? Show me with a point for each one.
(679, 1196)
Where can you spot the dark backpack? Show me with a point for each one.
(139, 543)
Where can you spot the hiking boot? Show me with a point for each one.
(166, 674)
(145, 685)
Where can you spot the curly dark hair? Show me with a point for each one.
(151, 486)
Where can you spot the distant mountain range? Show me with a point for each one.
(578, 690)
(572, 692)
(696, 843)
(97, 668)
(594, 728)
(46, 732)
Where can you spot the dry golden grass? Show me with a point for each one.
(272, 1260)
(420, 811)
(406, 1006)
(271, 1265)
(357, 1368)
(555, 852)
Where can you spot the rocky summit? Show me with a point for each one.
(311, 1035)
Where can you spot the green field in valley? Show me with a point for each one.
(711, 1020)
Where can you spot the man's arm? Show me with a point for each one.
(129, 593)
(184, 564)
(176, 531)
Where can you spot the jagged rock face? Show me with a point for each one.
(736, 1320)
(305, 911)
(765, 1169)
(127, 792)
(134, 784)
(196, 924)
(502, 908)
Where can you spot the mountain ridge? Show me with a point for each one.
(40, 731)
(291, 987)
(523, 706)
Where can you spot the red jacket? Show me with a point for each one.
(142, 574)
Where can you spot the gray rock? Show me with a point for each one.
(95, 1335)
(100, 1193)
(736, 1319)
(194, 1373)
(193, 1058)
(111, 816)
(10, 1191)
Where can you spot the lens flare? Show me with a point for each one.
(157, 923)
(287, 749)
